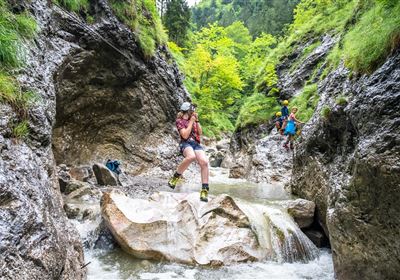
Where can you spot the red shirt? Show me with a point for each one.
(194, 134)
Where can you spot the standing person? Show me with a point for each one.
(187, 123)
(285, 113)
(290, 130)
(279, 122)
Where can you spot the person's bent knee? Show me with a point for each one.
(203, 163)
(191, 158)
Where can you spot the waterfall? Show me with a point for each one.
(278, 233)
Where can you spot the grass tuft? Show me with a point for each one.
(14, 29)
(325, 112)
(20, 130)
(142, 18)
(306, 102)
(74, 5)
(341, 100)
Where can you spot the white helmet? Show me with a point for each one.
(185, 106)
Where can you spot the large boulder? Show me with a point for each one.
(104, 176)
(180, 228)
(301, 210)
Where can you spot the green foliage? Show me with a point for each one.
(141, 16)
(257, 109)
(177, 21)
(258, 16)
(14, 29)
(213, 76)
(325, 112)
(26, 26)
(254, 61)
(176, 52)
(316, 17)
(341, 100)
(20, 130)
(306, 102)
(366, 32)
(11, 93)
(74, 5)
(375, 36)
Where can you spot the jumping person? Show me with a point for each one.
(290, 129)
(187, 123)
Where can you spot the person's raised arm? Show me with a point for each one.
(294, 117)
(199, 128)
(185, 132)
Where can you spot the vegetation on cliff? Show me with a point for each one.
(364, 31)
(15, 29)
(139, 15)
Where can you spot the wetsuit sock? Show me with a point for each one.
(205, 186)
(177, 175)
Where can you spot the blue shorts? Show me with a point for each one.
(190, 143)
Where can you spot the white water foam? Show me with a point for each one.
(118, 265)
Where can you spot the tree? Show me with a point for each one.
(177, 21)
(268, 16)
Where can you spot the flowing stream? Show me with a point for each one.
(116, 264)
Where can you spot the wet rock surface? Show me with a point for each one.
(348, 164)
(257, 155)
(34, 230)
(104, 176)
(103, 103)
(301, 210)
(178, 227)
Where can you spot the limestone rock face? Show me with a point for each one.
(36, 239)
(98, 98)
(257, 155)
(181, 228)
(348, 164)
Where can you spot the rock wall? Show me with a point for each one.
(98, 98)
(348, 163)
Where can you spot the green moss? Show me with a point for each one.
(280, 234)
(306, 102)
(11, 94)
(26, 26)
(325, 112)
(341, 100)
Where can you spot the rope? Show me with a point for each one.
(90, 30)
